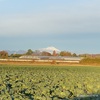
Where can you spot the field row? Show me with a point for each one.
(49, 83)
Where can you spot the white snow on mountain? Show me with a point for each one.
(50, 49)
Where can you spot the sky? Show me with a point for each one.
(69, 25)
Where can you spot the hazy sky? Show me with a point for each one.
(71, 25)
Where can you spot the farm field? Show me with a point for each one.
(24, 82)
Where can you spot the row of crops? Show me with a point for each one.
(49, 83)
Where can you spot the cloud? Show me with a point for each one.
(50, 23)
(82, 18)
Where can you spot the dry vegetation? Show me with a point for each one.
(84, 62)
(94, 61)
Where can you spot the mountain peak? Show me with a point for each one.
(50, 49)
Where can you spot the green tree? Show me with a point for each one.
(65, 53)
(29, 52)
(44, 53)
(74, 55)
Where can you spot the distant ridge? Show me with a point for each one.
(48, 49)
(16, 52)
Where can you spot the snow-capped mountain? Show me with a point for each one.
(50, 49)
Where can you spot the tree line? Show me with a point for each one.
(4, 54)
(54, 53)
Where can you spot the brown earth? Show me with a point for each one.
(44, 63)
